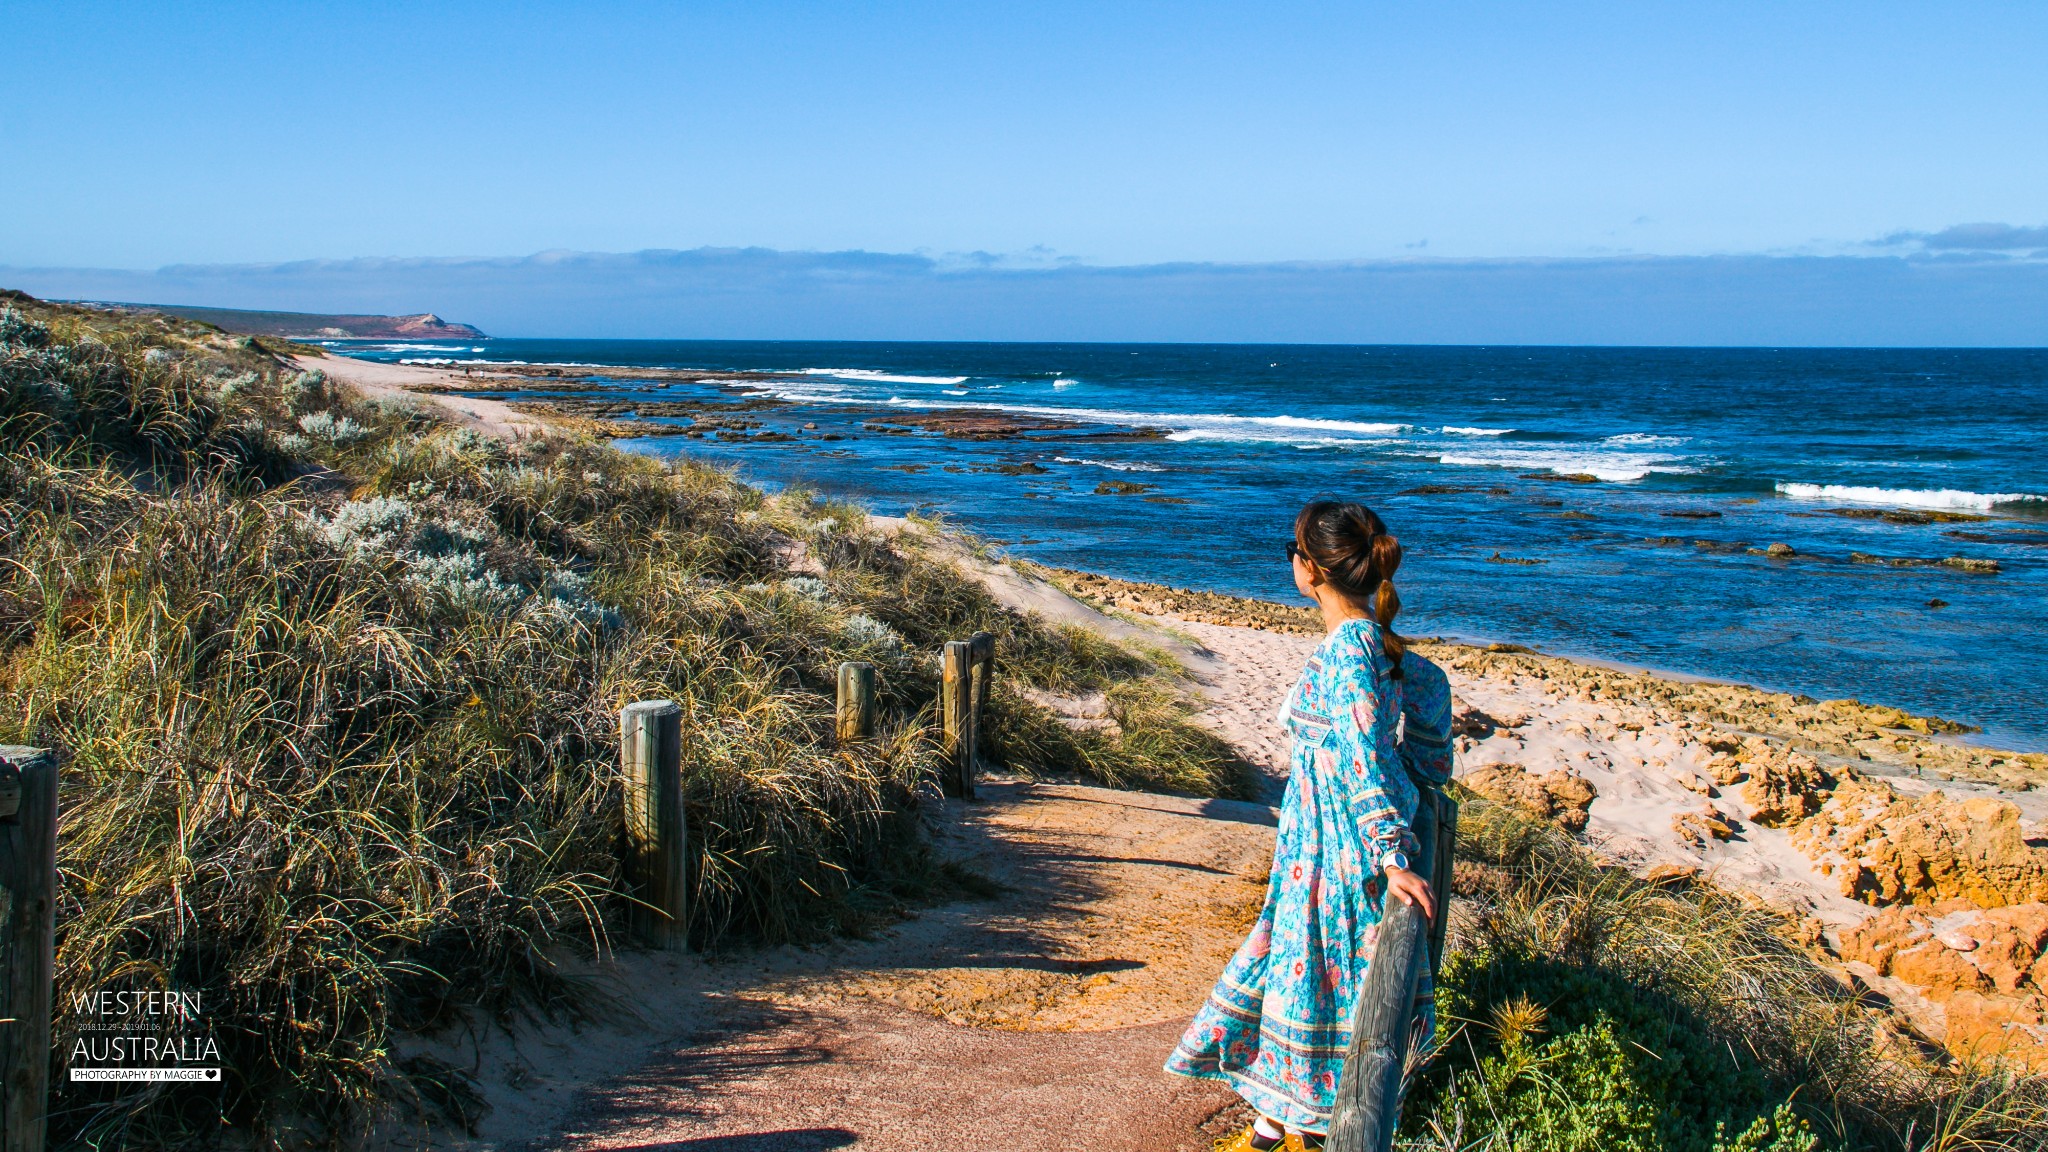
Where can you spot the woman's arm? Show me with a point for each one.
(1365, 764)
(1426, 723)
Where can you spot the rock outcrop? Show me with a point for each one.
(1558, 797)
(1781, 787)
(1889, 849)
(1988, 969)
(1696, 828)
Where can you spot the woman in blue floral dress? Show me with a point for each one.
(1368, 720)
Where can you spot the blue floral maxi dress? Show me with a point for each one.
(1278, 1024)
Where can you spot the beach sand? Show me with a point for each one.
(415, 384)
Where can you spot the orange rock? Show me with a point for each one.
(1696, 828)
(1992, 994)
(2012, 1028)
(1784, 787)
(1726, 769)
(1937, 969)
(2010, 944)
(1878, 939)
(1662, 874)
(1895, 850)
(1555, 796)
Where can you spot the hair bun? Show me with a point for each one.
(1358, 558)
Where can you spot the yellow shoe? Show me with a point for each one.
(1242, 1142)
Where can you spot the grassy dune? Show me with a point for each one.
(337, 685)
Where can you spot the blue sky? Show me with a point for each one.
(140, 135)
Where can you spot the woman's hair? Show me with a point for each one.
(1351, 545)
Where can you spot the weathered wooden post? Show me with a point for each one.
(657, 873)
(28, 899)
(856, 701)
(1368, 1104)
(982, 653)
(956, 695)
(1442, 876)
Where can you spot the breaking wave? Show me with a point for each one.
(1933, 499)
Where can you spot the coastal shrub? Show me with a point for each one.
(95, 390)
(339, 431)
(339, 711)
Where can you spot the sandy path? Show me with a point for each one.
(1044, 1013)
(868, 1077)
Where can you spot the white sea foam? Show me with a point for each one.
(1455, 431)
(1281, 429)
(1939, 499)
(1113, 465)
(957, 392)
(1618, 467)
(1057, 385)
(869, 375)
(407, 347)
(1190, 425)
(1646, 440)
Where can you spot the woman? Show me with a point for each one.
(1368, 719)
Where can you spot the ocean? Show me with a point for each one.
(1613, 503)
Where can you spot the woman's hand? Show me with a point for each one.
(1412, 889)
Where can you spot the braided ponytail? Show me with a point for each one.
(1358, 558)
(1386, 602)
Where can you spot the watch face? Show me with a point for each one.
(1398, 860)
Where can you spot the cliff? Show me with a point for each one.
(319, 326)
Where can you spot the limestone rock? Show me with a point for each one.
(1994, 993)
(2012, 946)
(1896, 850)
(1726, 769)
(1784, 787)
(1696, 828)
(1671, 874)
(2013, 1028)
(1559, 797)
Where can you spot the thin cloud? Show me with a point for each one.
(1915, 295)
(1984, 237)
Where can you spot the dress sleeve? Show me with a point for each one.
(1366, 762)
(1425, 723)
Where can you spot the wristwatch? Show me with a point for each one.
(1396, 859)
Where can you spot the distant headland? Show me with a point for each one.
(314, 325)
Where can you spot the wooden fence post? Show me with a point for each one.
(982, 653)
(657, 872)
(1368, 1104)
(1442, 876)
(856, 701)
(956, 694)
(28, 899)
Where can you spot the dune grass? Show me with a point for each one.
(337, 684)
(1586, 1010)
